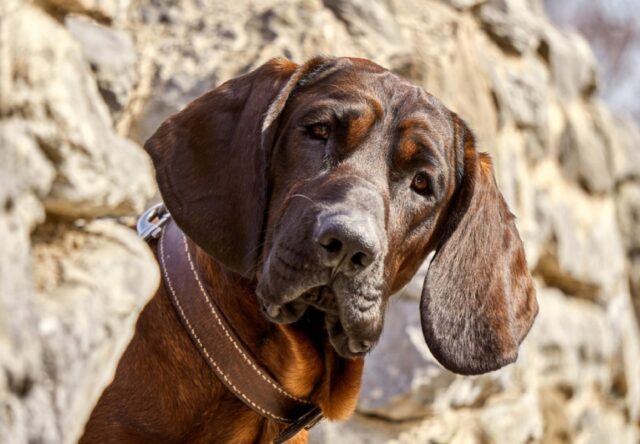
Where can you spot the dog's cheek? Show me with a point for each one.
(262, 276)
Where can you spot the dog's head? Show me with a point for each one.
(330, 183)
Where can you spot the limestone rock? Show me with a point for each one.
(90, 283)
(98, 172)
(366, 17)
(571, 62)
(634, 281)
(583, 235)
(112, 57)
(569, 346)
(20, 211)
(585, 151)
(628, 206)
(452, 427)
(69, 263)
(521, 88)
(626, 155)
(511, 24)
(70, 293)
(595, 422)
(464, 4)
(26, 171)
(513, 418)
(359, 429)
(517, 185)
(102, 10)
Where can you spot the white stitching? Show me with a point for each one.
(219, 370)
(215, 313)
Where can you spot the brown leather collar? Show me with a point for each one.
(219, 345)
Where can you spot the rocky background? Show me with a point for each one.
(84, 82)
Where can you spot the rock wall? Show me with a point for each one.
(84, 82)
(71, 285)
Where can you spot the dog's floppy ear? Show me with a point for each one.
(478, 301)
(211, 161)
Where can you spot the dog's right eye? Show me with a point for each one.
(420, 183)
(318, 131)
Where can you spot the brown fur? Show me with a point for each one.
(247, 185)
(163, 382)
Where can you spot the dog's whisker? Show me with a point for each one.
(304, 197)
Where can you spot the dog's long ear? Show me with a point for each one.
(478, 300)
(211, 161)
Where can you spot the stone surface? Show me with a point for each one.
(77, 99)
(583, 236)
(571, 62)
(511, 24)
(521, 88)
(70, 290)
(112, 57)
(97, 172)
(634, 281)
(366, 17)
(102, 10)
(25, 176)
(628, 206)
(626, 155)
(570, 347)
(70, 262)
(585, 151)
(464, 4)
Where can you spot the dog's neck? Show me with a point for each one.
(299, 356)
(183, 399)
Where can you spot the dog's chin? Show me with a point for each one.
(284, 313)
(324, 300)
(321, 298)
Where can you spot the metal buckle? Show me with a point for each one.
(306, 422)
(150, 224)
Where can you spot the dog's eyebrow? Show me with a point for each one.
(424, 126)
(345, 106)
(363, 117)
(418, 142)
(420, 125)
(418, 149)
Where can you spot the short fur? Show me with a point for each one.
(296, 187)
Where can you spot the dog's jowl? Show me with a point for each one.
(307, 195)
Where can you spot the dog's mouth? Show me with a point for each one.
(323, 299)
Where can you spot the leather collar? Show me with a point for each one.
(218, 344)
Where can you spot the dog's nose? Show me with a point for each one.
(347, 243)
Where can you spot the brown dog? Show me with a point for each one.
(310, 194)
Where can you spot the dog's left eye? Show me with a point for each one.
(318, 131)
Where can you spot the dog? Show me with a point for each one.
(309, 194)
